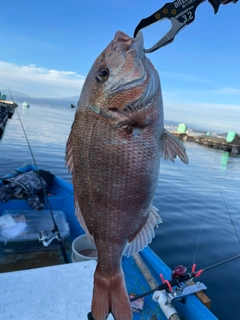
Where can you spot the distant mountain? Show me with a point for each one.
(20, 97)
(173, 125)
(14, 93)
(68, 98)
(51, 102)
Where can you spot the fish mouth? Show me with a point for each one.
(127, 43)
(142, 72)
(133, 52)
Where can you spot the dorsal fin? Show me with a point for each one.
(69, 153)
(70, 164)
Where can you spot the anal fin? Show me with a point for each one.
(146, 234)
(82, 221)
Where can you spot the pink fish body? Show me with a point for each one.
(113, 151)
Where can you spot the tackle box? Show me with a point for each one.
(29, 223)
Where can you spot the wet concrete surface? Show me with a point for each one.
(41, 257)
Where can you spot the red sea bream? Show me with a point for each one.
(113, 151)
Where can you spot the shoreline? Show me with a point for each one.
(211, 141)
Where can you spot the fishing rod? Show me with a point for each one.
(179, 275)
(230, 217)
(55, 230)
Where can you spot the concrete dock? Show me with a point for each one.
(60, 292)
(7, 109)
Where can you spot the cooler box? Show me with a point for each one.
(20, 229)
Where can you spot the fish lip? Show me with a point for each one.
(137, 43)
(126, 43)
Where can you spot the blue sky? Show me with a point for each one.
(48, 47)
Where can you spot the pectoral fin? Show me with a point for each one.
(172, 148)
(136, 116)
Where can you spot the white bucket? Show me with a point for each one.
(83, 249)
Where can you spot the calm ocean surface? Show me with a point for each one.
(193, 200)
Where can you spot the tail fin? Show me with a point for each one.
(110, 296)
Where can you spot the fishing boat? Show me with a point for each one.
(26, 105)
(65, 290)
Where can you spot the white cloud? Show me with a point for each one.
(213, 116)
(40, 82)
(227, 90)
(190, 106)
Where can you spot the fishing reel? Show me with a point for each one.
(179, 272)
(183, 288)
(46, 237)
(181, 281)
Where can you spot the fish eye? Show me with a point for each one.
(103, 74)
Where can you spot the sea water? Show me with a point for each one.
(196, 202)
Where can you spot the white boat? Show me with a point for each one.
(26, 105)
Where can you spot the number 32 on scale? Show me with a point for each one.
(187, 17)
